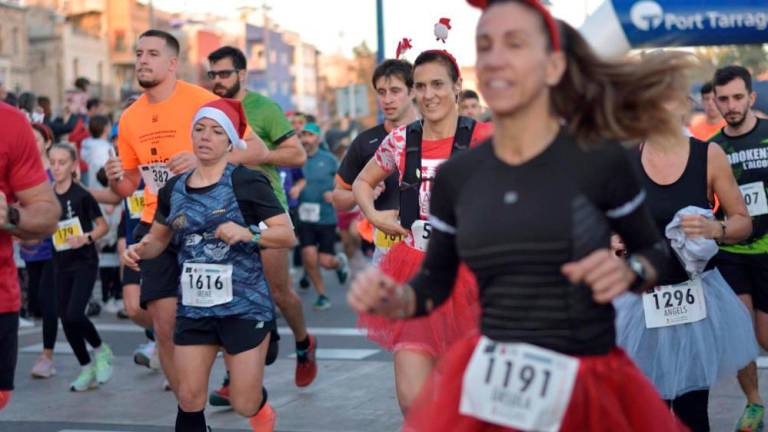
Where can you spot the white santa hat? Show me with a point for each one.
(229, 114)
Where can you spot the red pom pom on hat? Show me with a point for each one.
(229, 114)
(554, 32)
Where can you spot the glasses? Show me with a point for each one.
(224, 74)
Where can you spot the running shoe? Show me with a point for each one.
(264, 420)
(26, 323)
(142, 356)
(154, 361)
(343, 271)
(111, 306)
(322, 303)
(122, 314)
(43, 368)
(104, 359)
(306, 364)
(220, 397)
(166, 385)
(86, 380)
(752, 419)
(304, 282)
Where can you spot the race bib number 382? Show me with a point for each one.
(518, 385)
(155, 175)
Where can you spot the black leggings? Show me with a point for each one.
(75, 288)
(692, 409)
(111, 288)
(43, 291)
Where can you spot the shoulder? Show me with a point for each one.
(245, 176)
(132, 111)
(458, 167)
(78, 192)
(12, 115)
(188, 90)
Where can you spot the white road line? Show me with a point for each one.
(132, 328)
(343, 354)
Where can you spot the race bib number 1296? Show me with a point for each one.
(518, 385)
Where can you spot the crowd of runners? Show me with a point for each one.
(577, 256)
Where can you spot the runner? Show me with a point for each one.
(38, 258)
(28, 211)
(393, 82)
(75, 267)
(745, 265)
(705, 126)
(317, 218)
(228, 73)
(224, 299)
(153, 145)
(469, 104)
(531, 213)
(710, 333)
(431, 141)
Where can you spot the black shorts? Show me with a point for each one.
(234, 334)
(746, 274)
(131, 276)
(9, 347)
(159, 276)
(322, 236)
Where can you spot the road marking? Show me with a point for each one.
(132, 328)
(762, 362)
(342, 354)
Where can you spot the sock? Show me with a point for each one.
(86, 366)
(190, 421)
(150, 334)
(302, 348)
(97, 349)
(5, 397)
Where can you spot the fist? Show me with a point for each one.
(114, 169)
(231, 233)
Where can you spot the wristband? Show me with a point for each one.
(722, 234)
(90, 238)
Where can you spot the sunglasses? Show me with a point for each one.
(226, 73)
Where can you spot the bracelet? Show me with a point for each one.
(722, 234)
(90, 238)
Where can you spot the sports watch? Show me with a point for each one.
(12, 220)
(638, 269)
(255, 233)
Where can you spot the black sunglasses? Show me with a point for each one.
(222, 73)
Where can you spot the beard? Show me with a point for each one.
(741, 117)
(225, 92)
(148, 84)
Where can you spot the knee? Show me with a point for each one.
(327, 261)
(191, 399)
(132, 309)
(163, 330)
(246, 405)
(309, 256)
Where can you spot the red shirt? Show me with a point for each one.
(20, 169)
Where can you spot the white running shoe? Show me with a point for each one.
(25, 323)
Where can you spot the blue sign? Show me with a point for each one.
(654, 23)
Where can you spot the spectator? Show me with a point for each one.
(469, 104)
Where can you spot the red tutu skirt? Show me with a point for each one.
(610, 394)
(434, 334)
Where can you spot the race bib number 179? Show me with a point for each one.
(518, 385)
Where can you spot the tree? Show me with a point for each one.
(752, 57)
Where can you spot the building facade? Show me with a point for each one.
(14, 47)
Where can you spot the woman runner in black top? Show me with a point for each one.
(531, 214)
(692, 329)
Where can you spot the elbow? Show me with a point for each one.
(288, 240)
(52, 220)
(298, 158)
(339, 201)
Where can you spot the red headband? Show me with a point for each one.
(447, 54)
(554, 33)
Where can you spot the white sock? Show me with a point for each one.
(98, 350)
(87, 366)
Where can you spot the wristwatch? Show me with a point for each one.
(13, 218)
(638, 269)
(255, 233)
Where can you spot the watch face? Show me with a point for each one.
(254, 229)
(13, 215)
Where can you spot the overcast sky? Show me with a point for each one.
(338, 25)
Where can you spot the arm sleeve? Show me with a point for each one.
(433, 284)
(124, 148)
(350, 166)
(255, 196)
(164, 201)
(25, 166)
(279, 128)
(628, 214)
(92, 208)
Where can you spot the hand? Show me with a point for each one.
(114, 169)
(182, 162)
(328, 197)
(387, 221)
(231, 233)
(77, 242)
(378, 190)
(699, 226)
(3, 209)
(608, 277)
(294, 192)
(374, 292)
(132, 256)
(617, 246)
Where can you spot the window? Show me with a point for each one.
(120, 41)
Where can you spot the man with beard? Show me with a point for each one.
(393, 82)
(745, 265)
(228, 73)
(154, 144)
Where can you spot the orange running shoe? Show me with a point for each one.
(264, 420)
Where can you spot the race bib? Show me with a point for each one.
(135, 204)
(674, 304)
(518, 385)
(754, 197)
(421, 231)
(386, 241)
(67, 229)
(155, 175)
(206, 285)
(309, 212)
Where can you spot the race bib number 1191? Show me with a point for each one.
(518, 385)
